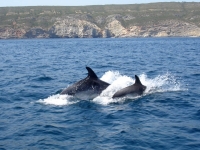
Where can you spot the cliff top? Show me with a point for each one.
(137, 14)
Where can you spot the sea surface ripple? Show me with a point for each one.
(33, 115)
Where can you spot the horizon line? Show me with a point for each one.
(94, 5)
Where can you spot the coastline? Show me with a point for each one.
(171, 19)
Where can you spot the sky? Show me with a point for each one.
(5, 3)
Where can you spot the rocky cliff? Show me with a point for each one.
(150, 21)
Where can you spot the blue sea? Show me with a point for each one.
(33, 115)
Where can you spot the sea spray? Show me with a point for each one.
(161, 83)
(58, 100)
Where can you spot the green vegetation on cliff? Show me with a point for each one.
(134, 14)
(135, 20)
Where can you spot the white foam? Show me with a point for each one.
(117, 82)
(110, 76)
(161, 83)
(58, 100)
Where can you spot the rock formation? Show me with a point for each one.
(50, 24)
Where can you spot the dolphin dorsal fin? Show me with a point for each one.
(91, 73)
(137, 80)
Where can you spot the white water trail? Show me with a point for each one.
(161, 83)
(58, 100)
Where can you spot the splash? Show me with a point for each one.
(58, 100)
(161, 83)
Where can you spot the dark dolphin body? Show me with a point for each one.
(90, 87)
(137, 88)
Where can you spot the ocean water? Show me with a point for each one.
(33, 115)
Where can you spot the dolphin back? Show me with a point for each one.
(137, 80)
(91, 73)
(136, 88)
(90, 85)
(122, 92)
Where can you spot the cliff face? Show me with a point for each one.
(74, 28)
(88, 25)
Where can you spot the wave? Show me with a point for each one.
(43, 78)
(161, 83)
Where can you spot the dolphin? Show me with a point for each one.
(87, 88)
(136, 89)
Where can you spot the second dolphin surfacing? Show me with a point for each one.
(87, 88)
(136, 89)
